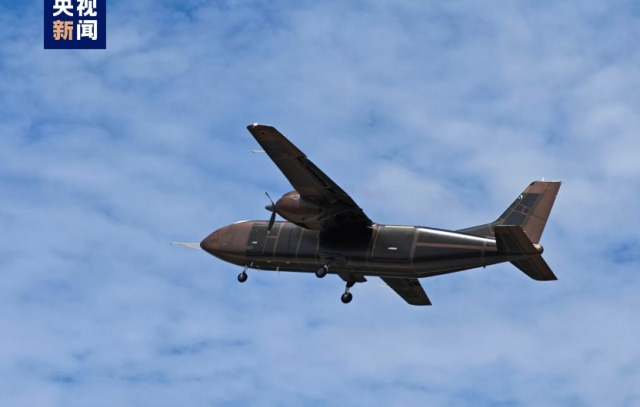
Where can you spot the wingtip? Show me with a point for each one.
(254, 126)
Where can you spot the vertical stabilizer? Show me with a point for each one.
(530, 211)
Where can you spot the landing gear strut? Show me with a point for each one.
(242, 277)
(322, 271)
(347, 296)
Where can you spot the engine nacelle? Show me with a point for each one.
(297, 209)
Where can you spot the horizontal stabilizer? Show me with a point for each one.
(536, 268)
(513, 240)
(409, 289)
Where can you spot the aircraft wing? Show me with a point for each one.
(310, 182)
(409, 289)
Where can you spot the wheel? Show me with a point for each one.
(321, 272)
(346, 298)
(242, 277)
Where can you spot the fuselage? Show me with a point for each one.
(379, 250)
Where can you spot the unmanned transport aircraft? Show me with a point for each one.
(326, 232)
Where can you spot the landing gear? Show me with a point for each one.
(347, 296)
(242, 277)
(322, 271)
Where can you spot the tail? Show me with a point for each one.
(523, 254)
(529, 211)
(518, 230)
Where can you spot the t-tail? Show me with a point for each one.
(518, 230)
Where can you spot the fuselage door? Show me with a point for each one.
(257, 239)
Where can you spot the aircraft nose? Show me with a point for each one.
(228, 241)
(212, 243)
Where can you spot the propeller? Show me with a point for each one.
(271, 207)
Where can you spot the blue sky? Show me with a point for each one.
(427, 113)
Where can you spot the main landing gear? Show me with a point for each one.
(347, 296)
(322, 271)
(242, 277)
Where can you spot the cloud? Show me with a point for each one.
(429, 114)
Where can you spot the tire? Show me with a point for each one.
(321, 272)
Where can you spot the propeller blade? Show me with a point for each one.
(271, 221)
(271, 207)
(270, 200)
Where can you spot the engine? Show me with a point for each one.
(296, 209)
